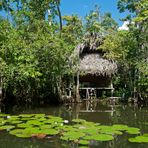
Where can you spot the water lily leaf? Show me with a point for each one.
(39, 115)
(32, 130)
(65, 128)
(99, 137)
(15, 122)
(50, 132)
(83, 142)
(46, 126)
(42, 119)
(6, 127)
(133, 130)
(91, 130)
(23, 125)
(120, 127)
(145, 135)
(34, 122)
(2, 121)
(139, 139)
(20, 133)
(4, 115)
(73, 135)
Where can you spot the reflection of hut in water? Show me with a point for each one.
(94, 72)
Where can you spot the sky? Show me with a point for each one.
(82, 7)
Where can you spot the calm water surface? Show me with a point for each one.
(131, 115)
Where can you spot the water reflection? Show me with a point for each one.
(108, 114)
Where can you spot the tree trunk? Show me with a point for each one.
(77, 88)
(60, 15)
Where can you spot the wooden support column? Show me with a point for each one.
(112, 90)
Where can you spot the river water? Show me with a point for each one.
(129, 114)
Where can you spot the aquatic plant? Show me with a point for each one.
(139, 139)
(80, 131)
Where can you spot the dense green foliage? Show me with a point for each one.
(35, 47)
(129, 48)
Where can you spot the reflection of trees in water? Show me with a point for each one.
(132, 115)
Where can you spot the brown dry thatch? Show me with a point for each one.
(96, 65)
(90, 60)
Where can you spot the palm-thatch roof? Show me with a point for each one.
(90, 60)
(96, 65)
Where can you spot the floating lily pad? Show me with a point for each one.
(139, 139)
(50, 132)
(34, 122)
(2, 121)
(33, 130)
(23, 125)
(120, 127)
(109, 130)
(46, 126)
(91, 130)
(83, 142)
(3, 115)
(6, 127)
(15, 122)
(72, 136)
(39, 115)
(99, 137)
(145, 135)
(133, 130)
(20, 133)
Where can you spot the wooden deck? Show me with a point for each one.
(96, 88)
(91, 92)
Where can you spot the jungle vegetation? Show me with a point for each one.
(36, 42)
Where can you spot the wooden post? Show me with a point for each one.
(77, 88)
(112, 89)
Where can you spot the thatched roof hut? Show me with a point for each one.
(91, 60)
(93, 70)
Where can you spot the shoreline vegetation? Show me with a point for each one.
(37, 44)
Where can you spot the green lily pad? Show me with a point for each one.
(15, 122)
(145, 135)
(20, 133)
(39, 115)
(99, 137)
(120, 127)
(50, 131)
(2, 121)
(34, 122)
(4, 115)
(72, 135)
(104, 129)
(6, 127)
(133, 130)
(139, 139)
(23, 125)
(83, 142)
(32, 130)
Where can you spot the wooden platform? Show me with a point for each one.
(91, 92)
(96, 88)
